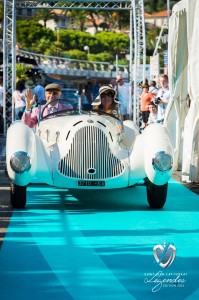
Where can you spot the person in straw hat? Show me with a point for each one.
(106, 101)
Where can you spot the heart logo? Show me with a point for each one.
(164, 254)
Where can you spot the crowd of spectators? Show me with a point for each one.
(154, 97)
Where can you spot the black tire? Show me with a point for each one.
(18, 196)
(156, 194)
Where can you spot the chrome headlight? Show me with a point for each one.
(162, 161)
(20, 162)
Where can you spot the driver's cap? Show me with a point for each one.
(53, 86)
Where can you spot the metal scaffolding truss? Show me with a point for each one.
(139, 53)
(139, 34)
(79, 4)
(137, 39)
(9, 60)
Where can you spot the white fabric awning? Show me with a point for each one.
(183, 54)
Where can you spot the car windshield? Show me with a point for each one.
(56, 108)
(60, 107)
(71, 96)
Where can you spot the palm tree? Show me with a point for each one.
(21, 70)
(77, 18)
(45, 15)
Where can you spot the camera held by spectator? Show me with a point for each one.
(157, 100)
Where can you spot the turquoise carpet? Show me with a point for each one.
(100, 246)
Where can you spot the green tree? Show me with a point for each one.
(30, 32)
(105, 57)
(77, 19)
(151, 39)
(1, 19)
(77, 54)
(77, 40)
(21, 70)
(43, 44)
(45, 15)
(115, 43)
(119, 20)
(152, 6)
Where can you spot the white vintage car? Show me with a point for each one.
(75, 149)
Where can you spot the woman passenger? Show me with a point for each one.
(106, 101)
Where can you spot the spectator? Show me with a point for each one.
(113, 83)
(122, 93)
(106, 101)
(18, 47)
(94, 88)
(1, 107)
(153, 113)
(153, 88)
(39, 92)
(19, 100)
(1, 94)
(146, 81)
(86, 98)
(145, 98)
(31, 115)
(163, 96)
(29, 84)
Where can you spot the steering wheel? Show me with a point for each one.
(55, 112)
(105, 113)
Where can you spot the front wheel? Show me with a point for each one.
(18, 196)
(156, 194)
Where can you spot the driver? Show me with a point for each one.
(106, 101)
(52, 92)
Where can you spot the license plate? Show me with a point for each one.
(91, 183)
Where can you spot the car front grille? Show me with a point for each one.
(89, 156)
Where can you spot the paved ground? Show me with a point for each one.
(6, 210)
(98, 247)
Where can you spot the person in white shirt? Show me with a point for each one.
(122, 94)
(153, 109)
(153, 88)
(162, 97)
(19, 100)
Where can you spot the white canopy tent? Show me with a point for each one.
(183, 122)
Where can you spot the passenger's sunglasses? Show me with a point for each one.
(107, 94)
